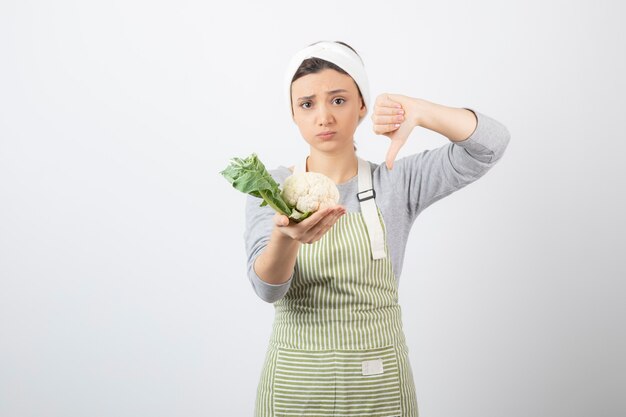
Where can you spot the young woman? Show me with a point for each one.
(337, 346)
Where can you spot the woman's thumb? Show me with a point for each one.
(281, 220)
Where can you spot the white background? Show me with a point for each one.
(123, 288)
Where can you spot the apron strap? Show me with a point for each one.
(367, 199)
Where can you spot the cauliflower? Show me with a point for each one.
(310, 191)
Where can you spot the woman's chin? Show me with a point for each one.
(335, 144)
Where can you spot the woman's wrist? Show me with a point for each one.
(419, 111)
(282, 239)
(275, 263)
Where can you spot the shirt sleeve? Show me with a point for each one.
(259, 225)
(433, 174)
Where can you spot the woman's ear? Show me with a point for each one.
(363, 110)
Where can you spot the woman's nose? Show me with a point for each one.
(324, 115)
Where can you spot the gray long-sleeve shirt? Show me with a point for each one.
(414, 183)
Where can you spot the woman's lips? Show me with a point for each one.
(326, 135)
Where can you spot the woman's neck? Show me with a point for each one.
(339, 167)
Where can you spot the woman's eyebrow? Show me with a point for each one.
(341, 90)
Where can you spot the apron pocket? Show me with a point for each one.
(337, 382)
(368, 383)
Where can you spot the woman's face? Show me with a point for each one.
(327, 101)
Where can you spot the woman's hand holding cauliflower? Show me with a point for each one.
(311, 229)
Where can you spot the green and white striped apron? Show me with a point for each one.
(337, 346)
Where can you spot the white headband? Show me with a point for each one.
(340, 55)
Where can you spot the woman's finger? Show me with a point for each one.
(317, 232)
(385, 100)
(387, 119)
(382, 129)
(392, 152)
(310, 222)
(337, 211)
(388, 110)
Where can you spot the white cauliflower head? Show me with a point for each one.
(310, 191)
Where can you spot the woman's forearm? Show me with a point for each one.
(457, 124)
(275, 264)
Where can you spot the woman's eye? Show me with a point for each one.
(339, 99)
(305, 104)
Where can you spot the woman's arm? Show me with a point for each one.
(257, 235)
(276, 262)
(477, 142)
(457, 124)
(272, 244)
(396, 115)
(278, 259)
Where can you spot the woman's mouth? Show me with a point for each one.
(326, 135)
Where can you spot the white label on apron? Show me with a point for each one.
(373, 367)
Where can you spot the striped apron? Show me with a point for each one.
(337, 346)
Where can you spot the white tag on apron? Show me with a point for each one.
(373, 367)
